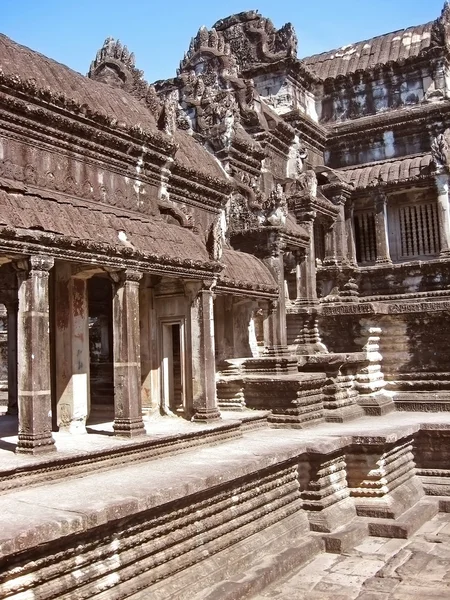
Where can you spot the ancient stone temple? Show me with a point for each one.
(225, 318)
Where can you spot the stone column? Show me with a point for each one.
(12, 309)
(34, 376)
(127, 358)
(307, 291)
(350, 232)
(340, 229)
(381, 229)
(270, 325)
(443, 212)
(204, 399)
(276, 265)
(72, 350)
(330, 258)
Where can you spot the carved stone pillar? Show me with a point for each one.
(350, 232)
(34, 377)
(330, 258)
(299, 258)
(204, 399)
(72, 350)
(271, 329)
(307, 291)
(12, 309)
(443, 212)
(381, 229)
(276, 265)
(340, 229)
(127, 360)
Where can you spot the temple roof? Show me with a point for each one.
(28, 65)
(69, 220)
(47, 74)
(246, 272)
(389, 171)
(367, 54)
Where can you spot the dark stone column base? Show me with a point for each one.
(206, 415)
(35, 444)
(129, 428)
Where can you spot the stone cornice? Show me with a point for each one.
(393, 68)
(312, 132)
(24, 242)
(414, 117)
(294, 67)
(238, 288)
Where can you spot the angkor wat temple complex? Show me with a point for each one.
(225, 324)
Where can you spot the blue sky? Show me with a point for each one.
(158, 31)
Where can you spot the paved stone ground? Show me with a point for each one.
(378, 569)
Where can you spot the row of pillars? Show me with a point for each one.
(32, 323)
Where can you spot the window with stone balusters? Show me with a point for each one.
(413, 228)
(413, 225)
(365, 239)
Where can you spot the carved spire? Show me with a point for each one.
(115, 65)
(440, 32)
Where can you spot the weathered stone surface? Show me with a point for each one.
(262, 235)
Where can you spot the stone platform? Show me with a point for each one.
(185, 524)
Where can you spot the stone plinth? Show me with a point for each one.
(230, 394)
(382, 474)
(432, 455)
(340, 396)
(324, 488)
(273, 383)
(295, 401)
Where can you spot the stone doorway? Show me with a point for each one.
(101, 345)
(173, 367)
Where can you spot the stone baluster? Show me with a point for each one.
(204, 398)
(127, 361)
(12, 322)
(381, 229)
(443, 212)
(34, 376)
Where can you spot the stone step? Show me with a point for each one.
(345, 538)
(406, 524)
(262, 574)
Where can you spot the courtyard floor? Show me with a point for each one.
(377, 569)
